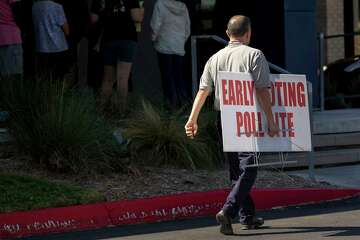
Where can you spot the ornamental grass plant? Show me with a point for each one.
(58, 127)
(157, 138)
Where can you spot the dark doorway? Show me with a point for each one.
(268, 35)
(267, 24)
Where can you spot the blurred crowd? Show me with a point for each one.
(97, 38)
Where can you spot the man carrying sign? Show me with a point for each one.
(236, 57)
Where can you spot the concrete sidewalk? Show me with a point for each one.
(332, 220)
(344, 226)
(343, 176)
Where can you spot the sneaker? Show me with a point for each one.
(254, 224)
(225, 223)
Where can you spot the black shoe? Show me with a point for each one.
(254, 224)
(225, 223)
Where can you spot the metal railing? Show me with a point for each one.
(194, 62)
(322, 64)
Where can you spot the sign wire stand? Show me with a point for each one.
(282, 158)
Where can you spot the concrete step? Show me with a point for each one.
(336, 140)
(339, 156)
(336, 121)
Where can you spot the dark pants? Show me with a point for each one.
(173, 84)
(54, 65)
(239, 201)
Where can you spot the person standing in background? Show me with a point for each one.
(11, 52)
(170, 24)
(78, 16)
(28, 38)
(118, 44)
(51, 28)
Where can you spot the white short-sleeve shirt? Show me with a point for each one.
(235, 57)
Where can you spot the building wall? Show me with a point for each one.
(300, 41)
(357, 26)
(330, 21)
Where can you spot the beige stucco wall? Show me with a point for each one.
(330, 21)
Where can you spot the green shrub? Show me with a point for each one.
(58, 127)
(158, 139)
(208, 127)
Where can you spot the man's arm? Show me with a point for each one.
(191, 127)
(61, 20)
(137, 14)
(155, 22)
(187, 26)
(96, 12)
(261, 74)
(66, 29)
(264, 100)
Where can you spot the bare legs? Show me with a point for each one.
(120, 74)
(83, 56)
(123, 70)
(107, 84)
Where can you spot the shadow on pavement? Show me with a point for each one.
(308, 210)
(346, 205)
(340, 231)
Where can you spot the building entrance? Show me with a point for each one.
(267, 18)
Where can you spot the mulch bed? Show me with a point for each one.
(149, 182)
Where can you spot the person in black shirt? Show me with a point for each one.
(118, 43)
(78, 16)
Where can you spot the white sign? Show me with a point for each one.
(244, 123)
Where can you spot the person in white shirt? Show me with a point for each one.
(170, 24)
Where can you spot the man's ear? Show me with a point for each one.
(227, 33)
(248, 36)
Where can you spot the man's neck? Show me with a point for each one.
(238, 40)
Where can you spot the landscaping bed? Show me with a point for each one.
(73, 189)
(65, 151)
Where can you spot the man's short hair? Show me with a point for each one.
(238, 25)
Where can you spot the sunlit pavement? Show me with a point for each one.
(336, 220)
(343, 176)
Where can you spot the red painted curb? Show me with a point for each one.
(46, 221)
(174, 207)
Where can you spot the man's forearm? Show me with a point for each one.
(198, 104)
(264, 100)
(66, 29)
(137, 14)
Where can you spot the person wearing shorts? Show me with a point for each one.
(11, 52)
(118, 44)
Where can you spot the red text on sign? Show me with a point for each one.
(250, 124)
